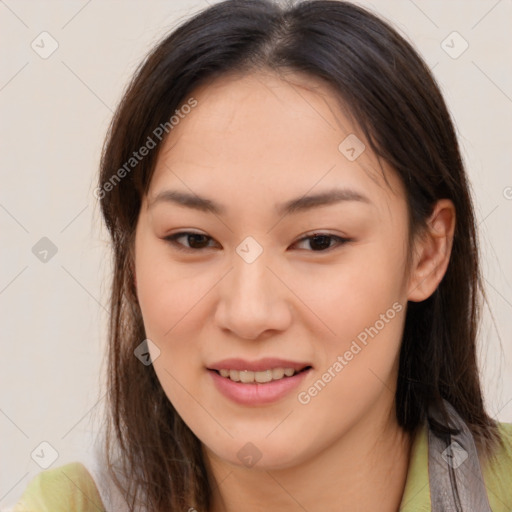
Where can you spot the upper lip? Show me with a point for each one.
(257, 366)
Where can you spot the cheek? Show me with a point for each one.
(167, 292)
(362, 302)
(364, 307)
(350, 295)
(170, 300)
(165, 303)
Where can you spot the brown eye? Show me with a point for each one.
(321, 242)
(196, 241)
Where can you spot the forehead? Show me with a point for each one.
(268, 137)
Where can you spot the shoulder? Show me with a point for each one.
(67, 487)
(506, 434)
(497, 471)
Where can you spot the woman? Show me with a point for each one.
(296, 284)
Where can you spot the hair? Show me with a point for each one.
(390, 92)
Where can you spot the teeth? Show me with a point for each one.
(265, 376)
(248, 376)
(277, 373)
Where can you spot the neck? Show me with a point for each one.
(365, 469)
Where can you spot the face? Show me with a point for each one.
(237, 291)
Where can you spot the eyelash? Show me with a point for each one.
(180, 247)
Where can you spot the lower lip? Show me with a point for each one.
(257, 393)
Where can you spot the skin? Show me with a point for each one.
(254, 141)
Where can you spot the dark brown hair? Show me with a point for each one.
(391, 94)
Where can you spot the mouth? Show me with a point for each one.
(258, 383)
(259, 377)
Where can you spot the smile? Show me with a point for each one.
(257, 382)
(261, 377)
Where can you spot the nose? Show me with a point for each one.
(253, 303)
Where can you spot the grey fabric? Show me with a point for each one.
(455, 476)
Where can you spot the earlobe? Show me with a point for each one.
(432, 252)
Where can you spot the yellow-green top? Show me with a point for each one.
(71, 487)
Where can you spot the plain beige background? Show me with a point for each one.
(55, 110)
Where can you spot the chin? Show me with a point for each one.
(260, 453)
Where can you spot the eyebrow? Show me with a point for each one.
(299, 204)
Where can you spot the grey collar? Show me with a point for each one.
(455, 476)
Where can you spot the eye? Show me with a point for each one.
(319, 242)
(196, 241)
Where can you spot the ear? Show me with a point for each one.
(432, 251)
